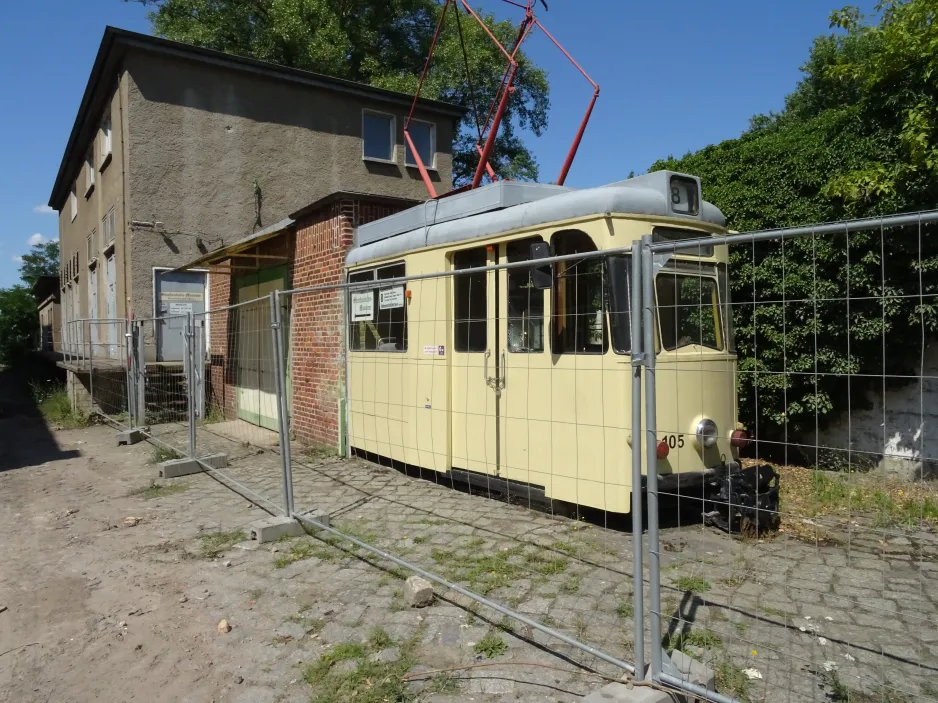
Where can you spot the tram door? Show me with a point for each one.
(476, 364)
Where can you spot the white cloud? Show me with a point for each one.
(43, 210)
(17, 259)
(35, 239)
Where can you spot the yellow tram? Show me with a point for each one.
(506, 380)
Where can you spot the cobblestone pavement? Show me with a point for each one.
(776, 618)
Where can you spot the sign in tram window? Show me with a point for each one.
(525, 303)
(470, 302)
(579, 324)
(378, 316)
(689, 311)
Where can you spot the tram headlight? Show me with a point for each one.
(707, 433)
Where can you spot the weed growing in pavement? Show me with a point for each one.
(731, 680)
(572, 585)
(694, 639)
(484, 572)
(490, 646)
(216, 543)
(369, 681)
(306, 550)
(379, 639)
(444, 683)
(692, 583)
(625, 609)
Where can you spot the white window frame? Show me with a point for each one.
(393, 135)
(108, 227)
(73, 202)
(106, 131)
(429, 166)
(92, 248)
(89, 172)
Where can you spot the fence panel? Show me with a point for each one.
(378, 406)
(822, 586)
(107, 361)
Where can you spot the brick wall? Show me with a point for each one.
(317, 362)
(316, 341)
(221, 391)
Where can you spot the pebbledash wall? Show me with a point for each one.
(319, 242)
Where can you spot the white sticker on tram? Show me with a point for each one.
(363, 306)
(434, 350)
(391, 298)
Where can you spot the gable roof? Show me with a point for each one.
(106, 67)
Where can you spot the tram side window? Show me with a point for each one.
(470, 300)
(525, 303)
(689, 311)
(619, 285)
(579, 321)
(378, 315)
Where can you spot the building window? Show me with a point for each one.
(525, 302)
(92, 249)
(73, 203)
(377, 136)
(105, 141)
(378, 314)
(470, 302)
(89, 172)
(107, 230)
(423, 135)
(579, 323)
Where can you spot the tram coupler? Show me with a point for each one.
(746, 499)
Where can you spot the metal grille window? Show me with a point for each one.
(470, 302)
(379, 314)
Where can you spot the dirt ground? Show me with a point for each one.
(97, 609)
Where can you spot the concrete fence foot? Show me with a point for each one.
(129, 437)
(272, 529)
(185, 467)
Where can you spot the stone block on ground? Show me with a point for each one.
(418, 591)
(274, 528)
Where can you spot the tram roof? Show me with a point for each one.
(505, 206)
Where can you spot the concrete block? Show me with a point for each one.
(693, 671)
(319, 516)
(185, 467)
(129, 437)
(273, 528)
(621, 693)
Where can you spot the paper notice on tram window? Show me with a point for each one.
(363, 306)
(391, 298)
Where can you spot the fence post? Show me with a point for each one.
(190, 374)
(276, 325)
(651, 454)
(91, 366)
(638, 359)
(140, 374)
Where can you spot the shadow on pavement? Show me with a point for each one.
(25, 438)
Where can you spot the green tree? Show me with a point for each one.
(42, 260)
(841, 148)
(382, 43)
(18, 323)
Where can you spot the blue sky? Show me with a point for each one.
(674, 76)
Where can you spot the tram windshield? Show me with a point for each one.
(689, 311)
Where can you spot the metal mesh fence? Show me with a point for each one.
(107, 362)
(823, 589)
(482, 424)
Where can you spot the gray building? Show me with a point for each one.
(178, 150)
